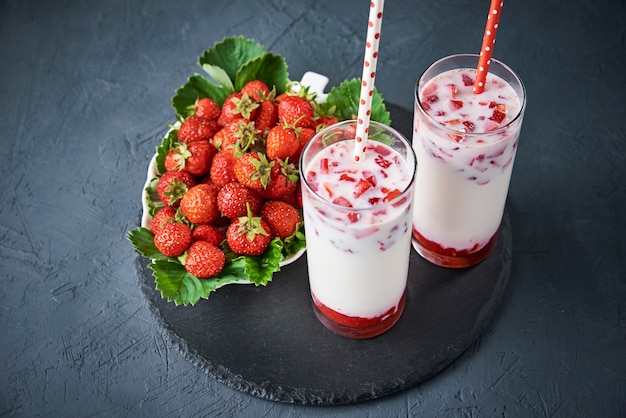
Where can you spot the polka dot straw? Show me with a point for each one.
(489, 40)
(369, 74)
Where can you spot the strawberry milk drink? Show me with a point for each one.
(357, 219)
(465, 145)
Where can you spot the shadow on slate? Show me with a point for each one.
(267, 342)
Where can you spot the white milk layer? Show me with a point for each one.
(462, 181)
(357, 256)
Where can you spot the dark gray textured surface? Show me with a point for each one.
(84, 93)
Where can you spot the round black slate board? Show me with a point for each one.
(266, 341)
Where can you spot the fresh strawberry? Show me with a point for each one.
(304, 136)
(204, 260)
(256, 90)
(207, 108)
(195, 128)
(207, 233)
(223, 167)
(174, 161)
(234, 198)
(298, 194)
(221, 223)
(195, 157)
(281, 217)
(237, 106)
(296, 111)
(172, 185)
(163, 216)
(281, 143)
(325, 121)
(248, 235)
(253, 170)
(283, 181)
(199, 204)
(349, 132)
(266, 116)
(237, 131)
(172, 239)
(292, 199)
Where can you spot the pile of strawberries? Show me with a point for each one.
(232, 176)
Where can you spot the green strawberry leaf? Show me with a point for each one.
(345, 98)
(258, 269)
(261, 269)
(269, 68)
(166, 146)
(219, 76)
(196, 88)
(178, 286)
(295, 242)
(152, 197)
(143, 241)
(230, 55)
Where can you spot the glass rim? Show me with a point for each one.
(361, 209)
(451, 131)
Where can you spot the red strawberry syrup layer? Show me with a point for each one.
(465, 145)
(355, 326)
(451, 257)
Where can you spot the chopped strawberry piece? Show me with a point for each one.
(361, 187)
(440, 113)
(342, 201)
(455, 137)
(379, 149)
(467, 80)
(392, 195)
(433, 98)
(346, 177)
(455, 104)
(353, 217)
(478, 159)
(469, 126)
(370, 177)
(328, 190)
(497, 153)
(491, 126)
(452, 122)
(311, 179)
(382, 162)
(452, 89)
(324, 165)
(498, 116)
(374, 201)
(365, 232)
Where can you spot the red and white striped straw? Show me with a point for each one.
(369, 74)
(489, 40)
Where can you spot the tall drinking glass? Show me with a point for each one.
(357, 219)
(465, 145)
